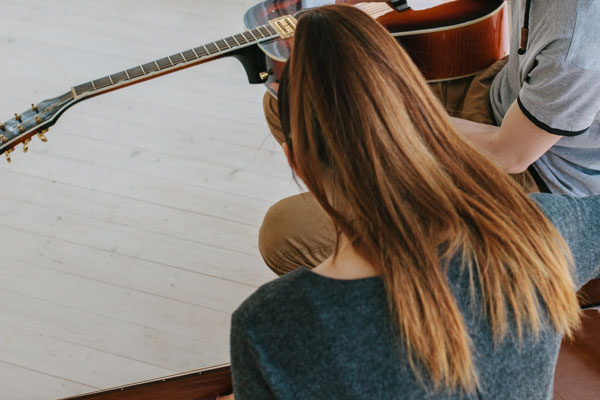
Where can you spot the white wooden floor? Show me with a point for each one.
(129, 238)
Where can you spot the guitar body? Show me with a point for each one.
(204, 384)
(447, 39)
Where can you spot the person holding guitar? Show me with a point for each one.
(535, 115)
(446, 280)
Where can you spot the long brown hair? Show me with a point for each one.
(379, 153)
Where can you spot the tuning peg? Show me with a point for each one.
(38, 119)
(3, 127)
(18, 117)
(42, 136)
(26, 145)
(21, 129)
(3, 139)
(7, 154)
(35, 108)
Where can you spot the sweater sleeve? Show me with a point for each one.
(248, 380)
(578, 221)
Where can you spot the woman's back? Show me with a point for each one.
(305, 336)
(475, 280)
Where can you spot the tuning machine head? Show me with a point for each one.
(42, 135)
(7, 155)
(26, 145)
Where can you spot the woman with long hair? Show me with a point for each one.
(447, 281)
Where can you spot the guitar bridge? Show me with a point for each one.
(285, 26)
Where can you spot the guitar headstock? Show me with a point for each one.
(34, 121)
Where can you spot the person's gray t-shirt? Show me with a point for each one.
(557, 86)
(308, 337)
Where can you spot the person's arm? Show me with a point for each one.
(248, 381)
(514, 146)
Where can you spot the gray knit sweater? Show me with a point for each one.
(305, 336)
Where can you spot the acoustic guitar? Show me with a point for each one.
(447, 39)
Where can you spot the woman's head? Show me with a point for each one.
(379, 153)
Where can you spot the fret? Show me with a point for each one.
(85, 87)
(271, 30)
(118, 77)
(189, 55)
(257, 33)
(201, 51)
(212, 48)
(101, 83)
(150, 67)
(135, 72)
(262, 30)
(231, 42)
(196, 54)
(251, 39)
(177, 59)
(128, 77)
(240, 39)
(164, 63)
(221, 45)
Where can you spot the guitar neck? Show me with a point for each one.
(40, 117)
(283, 27)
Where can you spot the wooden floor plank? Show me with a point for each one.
(106, 334)
(130, 237)
(19, 383)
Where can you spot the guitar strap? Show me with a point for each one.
(525, 29)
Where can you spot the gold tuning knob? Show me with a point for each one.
(42, 136)
(18, 117)
(3, 139)
(21, 129)
(3, 127)
(7, 154)
(26, 145)
(35, 108)
(38, 119)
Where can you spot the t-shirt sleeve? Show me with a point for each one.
(248, 380)
(578, 221)
(560, 97)
(560, 85)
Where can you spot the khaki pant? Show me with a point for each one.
(297, 232)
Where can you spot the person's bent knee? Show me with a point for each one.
(295, 232)
(272, 237)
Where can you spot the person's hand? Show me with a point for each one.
(226, 397)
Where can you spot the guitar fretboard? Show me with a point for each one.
(179, 60)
